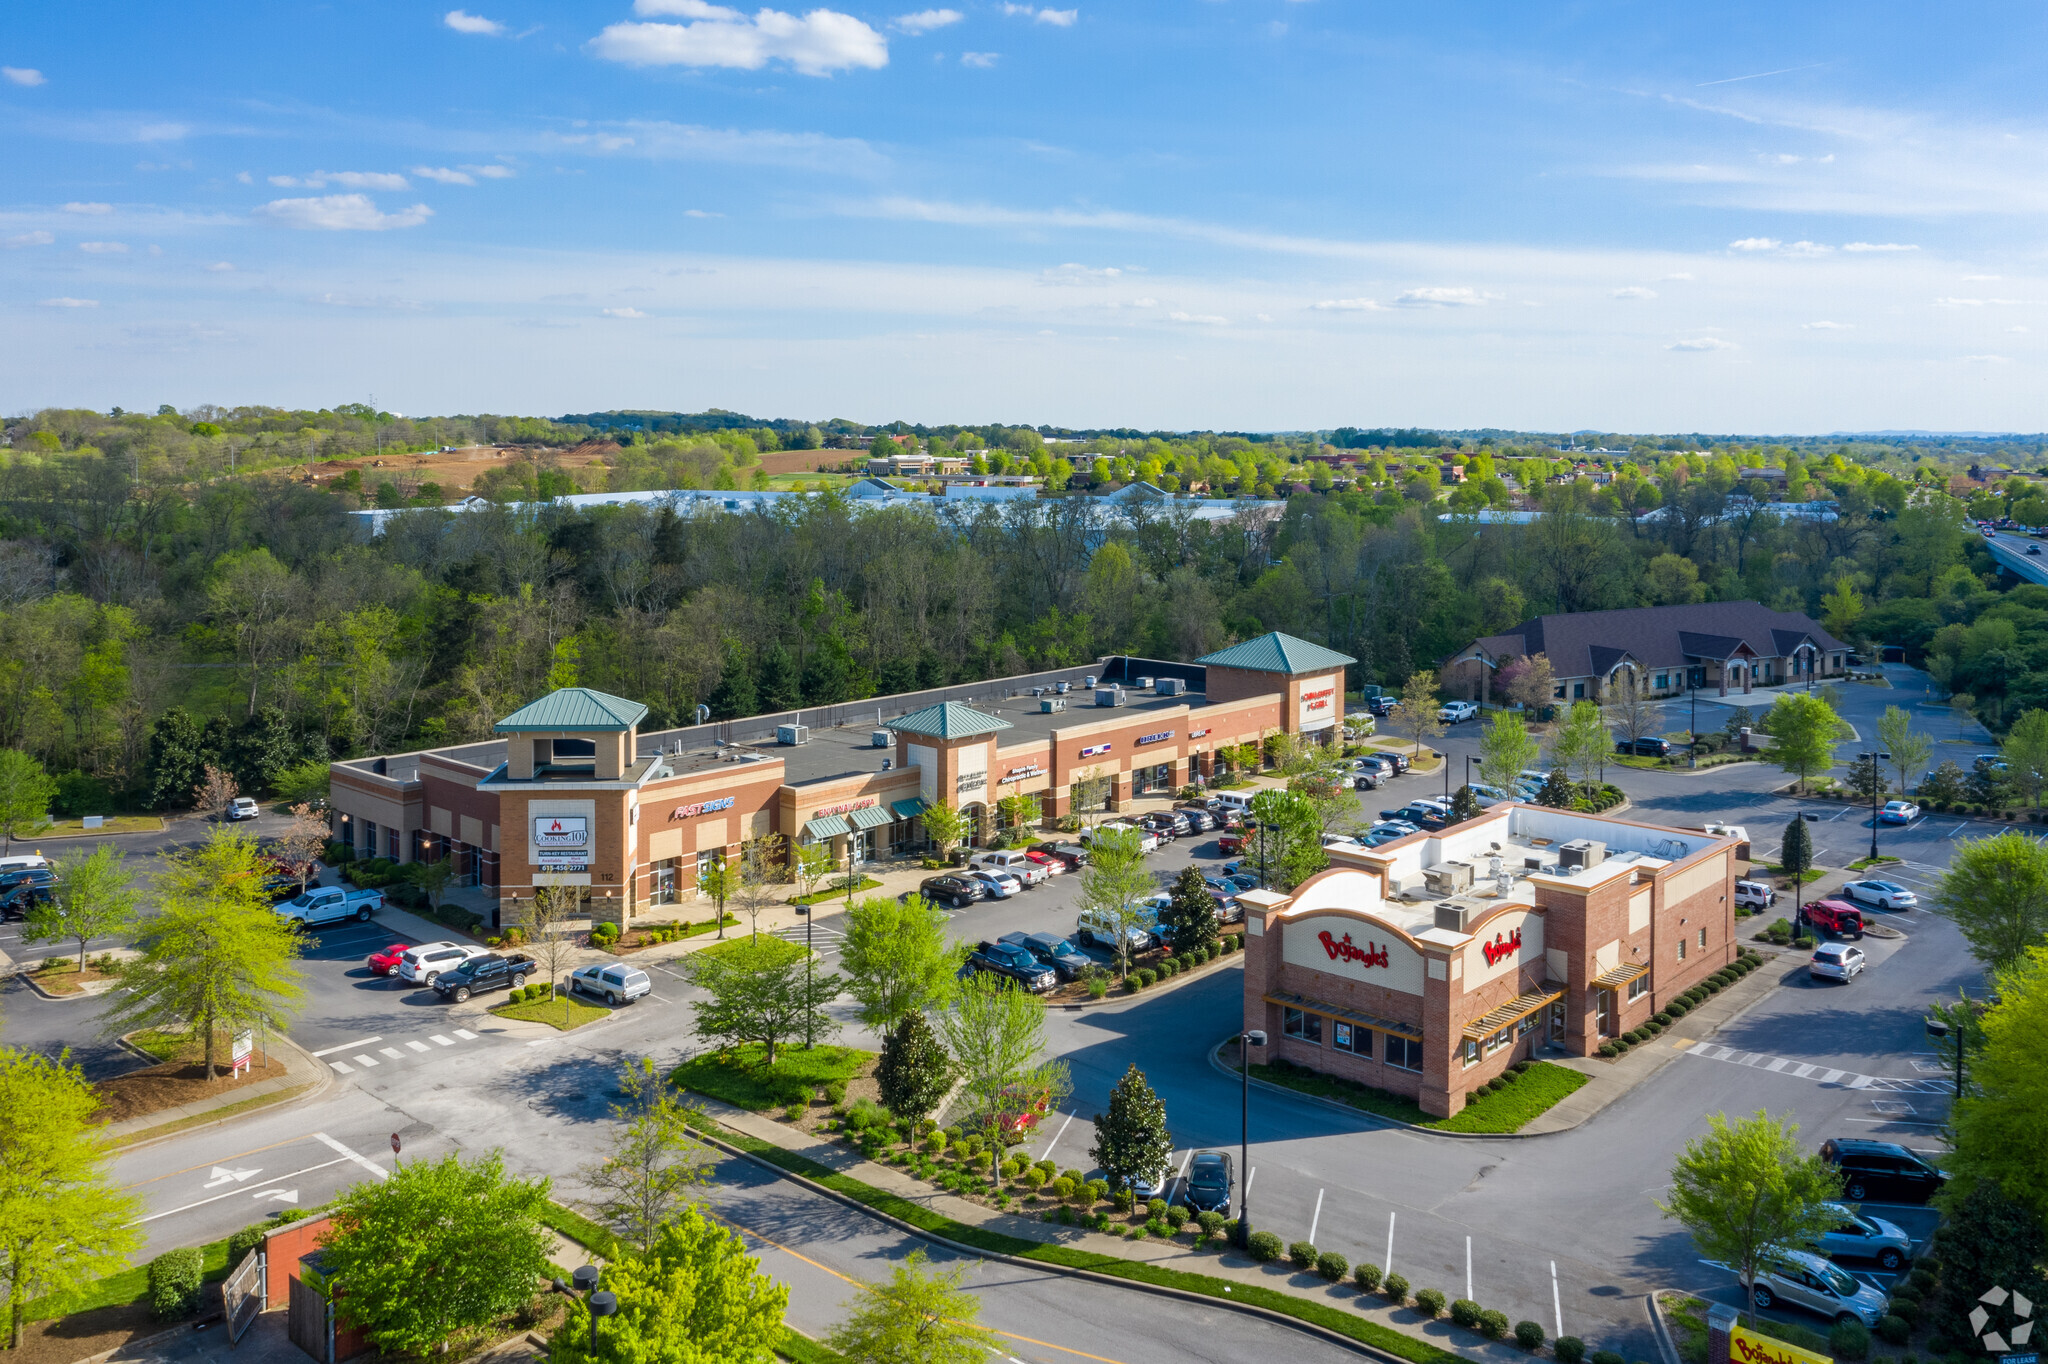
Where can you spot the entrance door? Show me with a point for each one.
(1603, 1006)
(1557, 1023)
(862, 846)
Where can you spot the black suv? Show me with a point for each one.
(491, 971)
(957, 891)
(1014, 961)
(1067, 961)
(1881, 1171)
(1650, 746)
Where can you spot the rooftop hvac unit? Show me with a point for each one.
(1063, 687)
(1109, 696)
(1144, 683)
(1048, 705)
(1170, 686)
(1089, 680)
(792, 734)
(1448, 878)
(878, 738)
(1452, 915)
(1581, 853)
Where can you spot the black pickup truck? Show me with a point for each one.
(1014, 961)
(492, 971)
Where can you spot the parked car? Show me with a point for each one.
(1014, 961)
(1377, 764)
(1153, 1184)
(1649, 746)
(1799, 1278)
(1399, 760)
(1883, 894)
(1208, 1186)
(331, 904)
(957, 891)
(486, 971)
(1200, 821)
(1001, 885)
(385, 962)
(1833, 916)
(1754, 895)
(1836, 961)
(1230, 845)
(1096, 930)
(21, 862)
(1899, 812)
(243, 807)
(1238, 881)
(1148, 841)
(41, 875)
(1073, 855)
(1455, 712)
(1161, 824)
(614, 982)
(1865, 1238)
(1046, 861)
(1380, 706)
(425, 964)
(1881, 1171)
(1014, 861)
(18, 899)
(1426, 814)
(1067, 960)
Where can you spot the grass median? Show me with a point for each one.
(743, 1078)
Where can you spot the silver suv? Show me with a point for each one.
(1800, 1278)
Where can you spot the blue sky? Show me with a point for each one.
(1239, 214)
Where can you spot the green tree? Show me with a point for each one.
(1745, 1187)
(1580, 745)
(652, 1164)
(62, 1223)
(1842, 609)
(916, 1316)
(762, 990)
(1557, 791)
(1989, 1239)
(1910, 749)
(760, 870)
(996, 1034)
(913, 1072)
(898, 958)
(1803, 732)
(1131, 1139)
(1506, 750)
(176, 757)
(2025, 750)
(1415, 714)
(1796, 854)
(1997, 1123)
(215, 957)
(1112, 885)
(437, 1250)
(721, 882)
(809, 864)
(1191, 912)
(944, 825)
(1996, 891)
(1464, 805)
(692, 1297)
(94, 898)
(26, 791)
(1288, 842)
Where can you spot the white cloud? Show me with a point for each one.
(1635, 291)
(1144, 303)
(1678, 274)
(1349, 305)
(1058, 18)
(463, 22)
(1980, 279)
(379, 301)
(1202, 319)
(1827, 326)
(221, 267)
(1703, 343)
(104, 248)
(1071, 273)
(491, 172)
(245, 177)
(340, 213)
(15, 243)
(160, 132)
(450, 175)
(980, 59)
(1435, 297)
(623, 312)
(2021, 330)
(1880, 246)
(346, 179)
(1754, 244)
(1976, 302)
(819, 43)
(70, 303)
(925, 20)
(441, 175)
(701, 213)
(1983, 360)
(1807, 249)
(23, 75)
(88, 208)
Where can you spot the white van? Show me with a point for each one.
(1012, 861)
(23, 860)
(1234, 800)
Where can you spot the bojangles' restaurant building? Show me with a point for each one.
(1427, 966)
(571, 792)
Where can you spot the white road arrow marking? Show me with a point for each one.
(223, 1176)
(278, 1195)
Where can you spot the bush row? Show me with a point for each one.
(1172, 966)
(1264, 1247)
(1676, 1009)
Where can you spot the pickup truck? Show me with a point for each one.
(491, 971)
(331, 904)
(1013, 960)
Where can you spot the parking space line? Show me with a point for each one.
(1047, 1153)
(394, 1053)
(1468, 1271)
(1389, 1267)
(1556, 1302)
(1315, 1219)
(344, 1046)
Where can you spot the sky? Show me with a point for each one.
(1185, 214)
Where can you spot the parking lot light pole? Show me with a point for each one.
(809, 964)
(1251, 1037)
(1876, 781)
(1692, 746)
(584, 1281)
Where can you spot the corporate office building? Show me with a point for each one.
(570, 792)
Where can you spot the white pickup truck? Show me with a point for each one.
(331, 904)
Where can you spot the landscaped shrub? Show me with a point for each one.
(1608, 1357)
(1210, 1221)
(1167, 968)
(1677, 1008)
(1529, 1335)
(1609, 1050)
(1155, 1207)
(1492, 1324)
(1265, 1247)
(1176, 1217)
(1849, 1340)
(1367, 1277)
(1569, 1350)
(1122, 1199)
(1893, 1329)
(1395, 1287)
(1465, 1312)
(175, 1278)
(1429, 1302)
(1922, 1279)
(244, 1241)
(1332, 1266)
(1098, 986)
(1135, 981)
(1148, 975)
(1303, 1254)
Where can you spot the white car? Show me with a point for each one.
(243, 807)
(1899, 812)
(1001, 884)
(611, 981)
(1883, 894)
(1451, 712)
(1836, 961)
(1147, 840)
(1014, 862)
(424, 964)
(1754, 895)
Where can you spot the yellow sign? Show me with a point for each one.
(1747, 1347)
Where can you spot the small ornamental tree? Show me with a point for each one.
(1131, 1139)
(719, 882)
(1464, 805)
(652, 1164)
(693, 1295)
(217, 788)
(1796, 855)
(761, 990)
(95, 898)
(1557, 790)
(944, 826)
(1191, 913)
(26, 791)
(917, 1315)
(914, 1071)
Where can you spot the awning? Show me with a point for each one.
(1514, 1011)
(908, 809)
(873, 817)
(1411, 1031)
(831, 826)
(1620, 976)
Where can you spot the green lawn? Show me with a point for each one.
(550, 1012)
(160, 1043)
(1505, 1110)
(740, 1077)
(115, 824)
(819, 897)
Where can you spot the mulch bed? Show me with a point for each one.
(155, 1088)
(88, 1333)
(67, 982)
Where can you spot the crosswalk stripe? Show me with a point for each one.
(1802, 1071)
(1778, 1064)
(393, 1052)
(417, 1046)
(362, 1060)
(465, 1034)
(343, 1067)
(1832, 1076)
(443, 1041)
(1826, 1075)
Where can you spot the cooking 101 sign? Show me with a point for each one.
(561, 841)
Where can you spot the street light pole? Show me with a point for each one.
(584, 1281)
(1692, 747)
(810, 959)
(1876, 773)
(1251, 1037)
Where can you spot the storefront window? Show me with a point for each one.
(1524, 1027)
(1300, 1024)
(1351, 1038)
(661, 881)
(1640, 986)
(1403, 1053)
(1469, 1052)
(369, 838)
(1497, 1041)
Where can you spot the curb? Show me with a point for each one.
(1109, 1280)
(1666, 1346)
(1157, 988)
(312, 1089)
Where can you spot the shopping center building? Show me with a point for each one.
(1427, 966)
(570, 792)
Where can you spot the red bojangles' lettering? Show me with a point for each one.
(1502, 946)
(1372, 954)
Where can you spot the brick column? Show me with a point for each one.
(1721, 1321)
(1120, 791)
(1443, 1090)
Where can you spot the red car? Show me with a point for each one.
(385, 962)
(1834, 916)
(1052, 865)
(1230, 845)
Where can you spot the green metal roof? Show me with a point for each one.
(948, 720)
(574, 708)
(826, 826)
(1277, 653)
(873, 817)
(908, 809)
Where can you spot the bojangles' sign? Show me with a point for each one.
(1503, 945)
(1343, 949)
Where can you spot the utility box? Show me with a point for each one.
(878, 738)
(792, 734)
(1170, 686)
(1109, 696)
(1051, 705)
(1581, 854)
(1448, 878)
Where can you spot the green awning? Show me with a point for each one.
(831, 826)
(908, 809)
(873, 817)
